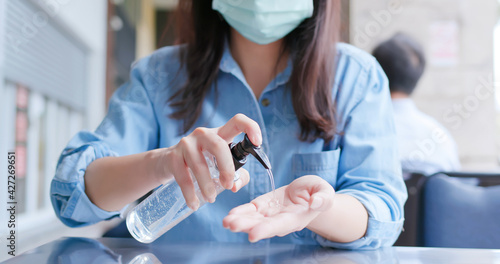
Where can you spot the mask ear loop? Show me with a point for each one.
(220, 16)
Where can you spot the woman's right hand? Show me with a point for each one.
(187, 154)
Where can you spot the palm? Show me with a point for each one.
(298, 206)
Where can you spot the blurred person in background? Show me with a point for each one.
(425, 146)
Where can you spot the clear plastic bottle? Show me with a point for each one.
(166, 207)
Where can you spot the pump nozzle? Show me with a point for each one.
(259, 154)
(245, 147)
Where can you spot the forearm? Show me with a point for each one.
(345, 221)
(113, 182)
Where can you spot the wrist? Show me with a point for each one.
(155, 161)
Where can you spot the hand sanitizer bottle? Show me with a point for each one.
(166, 207)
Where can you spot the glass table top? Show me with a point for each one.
(126, 250)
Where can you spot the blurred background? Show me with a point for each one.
(60, 61)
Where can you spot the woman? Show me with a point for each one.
(270, 69)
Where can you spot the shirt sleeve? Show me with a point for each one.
(129, 127)
(369, 167)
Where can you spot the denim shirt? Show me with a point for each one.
(361, 161)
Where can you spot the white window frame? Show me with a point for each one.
(38, 226)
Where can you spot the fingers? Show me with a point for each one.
(242, 181)
(246, 218)
(301, 202)
(319, 202)
(243, 218)
(278, 225)
(244, 209)
(313, 191)
(185, 182)
(241, 124)
(218, 147)
(196, 162)
(214, 141)
(237, 223)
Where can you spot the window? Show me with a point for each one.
(42, 97)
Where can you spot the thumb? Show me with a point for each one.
(242, 181)
(320, 202)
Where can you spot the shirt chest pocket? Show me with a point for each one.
(323, 164)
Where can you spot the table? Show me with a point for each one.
(126, 250)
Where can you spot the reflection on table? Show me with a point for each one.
(124, 250)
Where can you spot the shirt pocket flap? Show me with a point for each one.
(323, 164)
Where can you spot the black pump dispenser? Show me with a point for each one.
(241, 150)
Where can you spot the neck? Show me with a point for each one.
(399, 95)
(260, 63)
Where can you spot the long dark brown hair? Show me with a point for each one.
(311, 45)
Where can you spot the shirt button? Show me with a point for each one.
(266, 102)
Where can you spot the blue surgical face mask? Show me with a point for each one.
(264, 21)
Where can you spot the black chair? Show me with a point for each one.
(428, 222)
(414, 184)
(461, 210)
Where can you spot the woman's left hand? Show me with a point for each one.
(300, 202)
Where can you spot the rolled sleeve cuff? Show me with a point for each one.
(379, 233)
(76, 209)
(70, 202)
